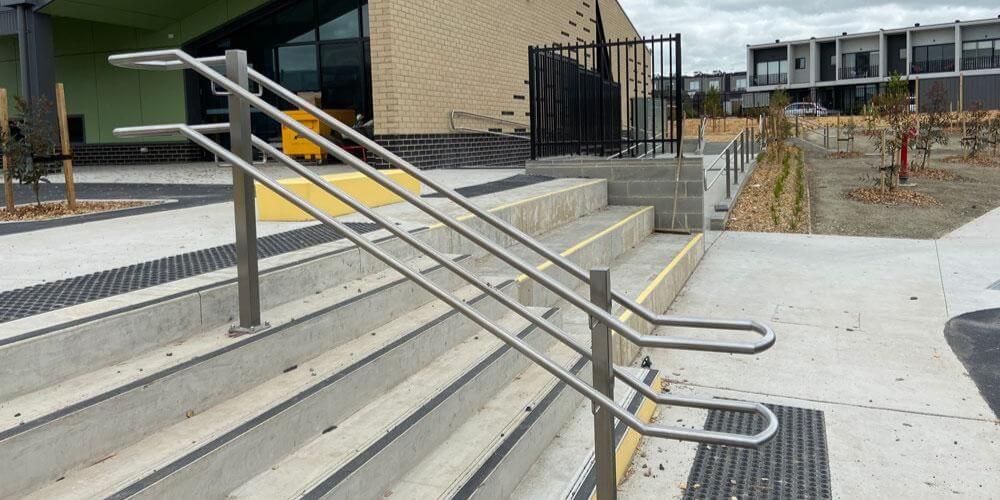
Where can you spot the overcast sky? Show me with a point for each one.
(715, 33)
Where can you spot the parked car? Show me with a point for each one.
(805, 109)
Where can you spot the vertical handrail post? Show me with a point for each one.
(240, 137)
(603, 381)
(728, 175)
(736, 171)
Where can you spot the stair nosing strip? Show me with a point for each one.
(100, 398)
(203, 450)
(333, 480)
(166, 298)
(589, 484)
(500, 453)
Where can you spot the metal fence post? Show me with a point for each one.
(746, 152)
(728, 176)
(243, 199)
(742, 152)
(603, 381)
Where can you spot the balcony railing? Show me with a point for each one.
(985, 62)
(938, 66)
(771, 79)
(847, 73)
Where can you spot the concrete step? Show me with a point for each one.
(565, 470)
(216, 450)
(376, 446)
(488, 455)
(590, 241)
(82, 338)
(89, 417)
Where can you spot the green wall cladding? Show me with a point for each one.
(110, 97)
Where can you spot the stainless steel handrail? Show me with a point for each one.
(484, 117)
(651, 341)
(196, 134)
(730, 145)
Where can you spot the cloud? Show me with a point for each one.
(715, 33)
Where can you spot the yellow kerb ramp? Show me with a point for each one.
(271, 207)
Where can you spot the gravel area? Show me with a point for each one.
(974, 191)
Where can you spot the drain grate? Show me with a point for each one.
(512, 182)
(24, 302)
(793, 465)
(995, 286)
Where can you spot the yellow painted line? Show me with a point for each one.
(573, 249)
(519, 202)
(630, 441)
(663, 274)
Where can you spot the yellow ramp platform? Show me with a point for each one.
(271, 207)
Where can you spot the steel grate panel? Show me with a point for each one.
(45, 297)
(485, 188)
(794, 465)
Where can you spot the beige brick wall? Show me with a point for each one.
(430, 57)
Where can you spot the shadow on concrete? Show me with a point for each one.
(975, 339)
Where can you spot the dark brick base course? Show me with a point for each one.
(138, 154)
(455, 150)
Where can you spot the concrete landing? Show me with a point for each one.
(860, 336)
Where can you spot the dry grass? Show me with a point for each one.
(54, 210)
(895, 197)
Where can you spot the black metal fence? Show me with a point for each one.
(618, 98)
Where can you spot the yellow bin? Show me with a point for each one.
(271, 207)
(292, 144)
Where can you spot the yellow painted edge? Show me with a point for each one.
(630, 441)
(573, 249)
(519, 202)
(663, 274)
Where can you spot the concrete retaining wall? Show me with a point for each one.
(675, 196)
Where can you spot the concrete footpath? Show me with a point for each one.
(860, 337)
(62, 252)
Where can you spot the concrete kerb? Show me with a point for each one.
(110, 330)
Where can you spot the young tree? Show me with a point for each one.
(887, 123)
(976, 125)
(779, 128)
(31, 145)
(931, 124)
(713, 105)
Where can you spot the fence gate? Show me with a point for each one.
(612, 99)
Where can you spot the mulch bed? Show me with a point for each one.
(984, 160)
(843, 155)
(936, 174)
(756, 208)
(53, 210)
(898, 196)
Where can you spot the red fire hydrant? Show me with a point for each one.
(904, 168)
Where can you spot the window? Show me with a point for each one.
(297, 68)
(305, 45)
(902, 54)
(800, 63)
(983, 54)
(714, 84)
(933, 58)
(694, 85)
(741, 84)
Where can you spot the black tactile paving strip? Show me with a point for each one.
(512, 182)
(45, 297)
(794, 465)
